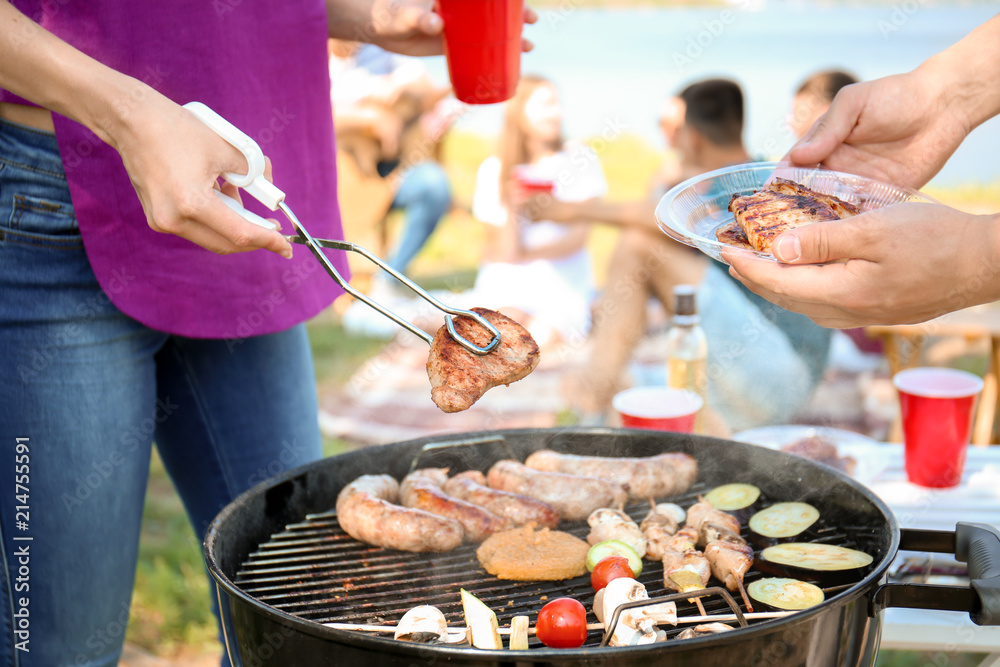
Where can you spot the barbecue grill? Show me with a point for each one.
(284, 568)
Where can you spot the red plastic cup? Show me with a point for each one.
(482, 44)
(658, 408)
(936, 405)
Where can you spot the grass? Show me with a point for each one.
(171, 615)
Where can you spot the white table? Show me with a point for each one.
(976, 500)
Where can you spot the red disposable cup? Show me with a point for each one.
(658, 408)
(528, 185)
(482, 44)
(936, 405)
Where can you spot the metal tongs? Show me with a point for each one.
(254, 184)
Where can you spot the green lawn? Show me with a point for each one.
(170, 608)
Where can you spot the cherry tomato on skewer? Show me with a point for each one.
(609, 569)
(562, 623)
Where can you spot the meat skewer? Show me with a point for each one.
(471, 486)
(611, 524)
(727, 552)
(684, 568)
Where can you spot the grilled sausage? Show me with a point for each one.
(645, 477)
(421, 489)
(471, 486)
(572, 496)
(366, 511)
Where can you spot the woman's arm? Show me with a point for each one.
(172, 158)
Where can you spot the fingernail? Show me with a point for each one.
(287, 254)
(788, 249)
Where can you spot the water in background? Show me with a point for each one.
(614, 68)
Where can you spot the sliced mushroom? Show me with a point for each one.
(424, 624)
(704, 629)
(637, 625)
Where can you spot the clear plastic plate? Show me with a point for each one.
(692, 211)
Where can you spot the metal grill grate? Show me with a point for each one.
(315, 571)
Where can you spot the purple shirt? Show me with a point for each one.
(261, 65)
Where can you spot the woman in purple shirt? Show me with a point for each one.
(113, 335)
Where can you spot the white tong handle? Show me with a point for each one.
(252, 182)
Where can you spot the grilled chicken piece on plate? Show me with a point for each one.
(784, 205)
(459, 378)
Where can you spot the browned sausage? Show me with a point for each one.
(658, 476)
(421, 489)
(471, 486)
(572, 496)
(366, 511)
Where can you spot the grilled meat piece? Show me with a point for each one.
(784, 205)
(611, 524)
(844, 209)
(471, 486)
(685, 539)
(658, 527)
(702, 513)
(573, 497)
(732, 234)
(421, 489)
(459, 378)
(366, 510)
(687, 571)
(643, 477)
(822, 450)
(729, 562)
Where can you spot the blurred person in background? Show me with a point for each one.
(537, 272)
(390, 118)
(814, 96)
(755, 349)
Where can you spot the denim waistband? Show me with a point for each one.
(29, 148)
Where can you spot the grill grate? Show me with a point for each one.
(315, 571)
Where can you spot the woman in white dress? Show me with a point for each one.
(537, 272)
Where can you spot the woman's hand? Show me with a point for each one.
(896, 265)
(174, 162)
(410, 27)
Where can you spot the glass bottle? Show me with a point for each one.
(687, 348)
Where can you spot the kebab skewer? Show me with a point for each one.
(685, 569)
(728, 554)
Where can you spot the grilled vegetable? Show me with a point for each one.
(422, 624)
(481, 621)
(823, 557)
(732, 497)
(518, 634)
(609, 569)
(562, 623)
(786, 594)
(602, 550)
(783, 520)
(826, 562)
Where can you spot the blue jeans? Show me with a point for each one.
(85, 391)
(425, 195)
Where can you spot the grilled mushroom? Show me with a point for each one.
(637, 625)
(424, 624)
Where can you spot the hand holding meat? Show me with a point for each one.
(459, 378)
(900, 264)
